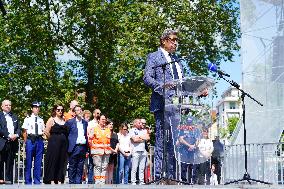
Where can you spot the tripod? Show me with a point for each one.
(246, 176)
(164, 177)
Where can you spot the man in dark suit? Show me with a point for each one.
(77, 137)
(153, 78)
(9, 134)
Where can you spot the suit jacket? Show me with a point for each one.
(153, 78)
(73, 133)
(4, 134)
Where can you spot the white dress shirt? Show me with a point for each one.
(29, 124)
(10, 125)
(81, 137)
(169, 59)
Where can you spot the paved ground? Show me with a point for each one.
(86, 186)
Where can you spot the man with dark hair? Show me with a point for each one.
(160, 65)
(153, 78)
(77, 148)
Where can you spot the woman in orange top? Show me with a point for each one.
(100, 149)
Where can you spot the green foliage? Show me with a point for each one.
(223, 132)
(111, 40)
(282, 137)
(231, 125)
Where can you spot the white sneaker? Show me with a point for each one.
(133, 183)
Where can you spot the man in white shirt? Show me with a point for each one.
(9, 134)
(33, 128)
(138, 137)
(154, 76)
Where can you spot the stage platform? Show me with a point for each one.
(89, 186)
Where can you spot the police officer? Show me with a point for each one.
(33, 131)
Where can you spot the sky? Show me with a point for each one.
(234, 69)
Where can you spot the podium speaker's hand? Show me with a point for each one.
(169, 85)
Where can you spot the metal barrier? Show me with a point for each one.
(19, 164)
(264, 162)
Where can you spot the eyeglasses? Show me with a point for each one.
(59, 110)
(174, 39)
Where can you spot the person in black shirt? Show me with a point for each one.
(111, 170)
(216, 157)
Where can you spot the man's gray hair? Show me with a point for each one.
(167, 32)
(6, 101)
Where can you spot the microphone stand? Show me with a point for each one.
(246, 176)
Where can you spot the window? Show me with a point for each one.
(232, 105)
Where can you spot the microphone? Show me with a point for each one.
(212, 67)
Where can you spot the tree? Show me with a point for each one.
(111, 40)
(29, 68)
(114, 38)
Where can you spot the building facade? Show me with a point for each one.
(229, 106)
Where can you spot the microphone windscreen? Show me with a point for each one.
(212, 67)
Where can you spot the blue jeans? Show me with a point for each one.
(123, 173)
(90, 170)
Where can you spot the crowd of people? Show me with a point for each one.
(88, 149)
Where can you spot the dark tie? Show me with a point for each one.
(36, 126)
(175, 73)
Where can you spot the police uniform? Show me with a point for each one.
(34, 126)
